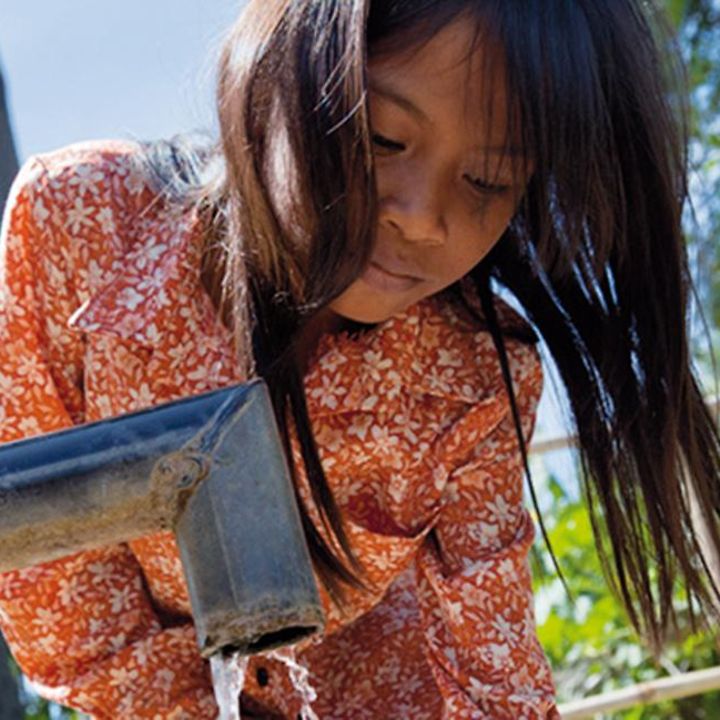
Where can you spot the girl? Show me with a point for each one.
(380, 162)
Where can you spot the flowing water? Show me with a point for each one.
(228, 675)
(299, 677)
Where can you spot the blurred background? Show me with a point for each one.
(81, 70)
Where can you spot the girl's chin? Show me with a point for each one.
(365, 318)
(365, 304)
(366, 312)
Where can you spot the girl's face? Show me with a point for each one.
(446, 190)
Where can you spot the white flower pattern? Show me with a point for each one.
(415, 436)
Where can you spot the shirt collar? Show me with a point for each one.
(434, 348)
(431, 348)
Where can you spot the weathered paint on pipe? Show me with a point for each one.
(212, 468)
(93, 484)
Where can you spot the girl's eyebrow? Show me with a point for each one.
(409, 106)
(393, 96)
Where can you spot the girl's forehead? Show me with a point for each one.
(455, 72)
(457, 61)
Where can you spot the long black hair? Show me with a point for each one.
(595, 254)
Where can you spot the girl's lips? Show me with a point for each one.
(381, 279)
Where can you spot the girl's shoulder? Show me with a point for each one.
(92, 217)
(94, 152)
(97, 202)
(87, 175)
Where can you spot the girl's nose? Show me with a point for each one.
(418, 216)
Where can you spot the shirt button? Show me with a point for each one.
(261, 674)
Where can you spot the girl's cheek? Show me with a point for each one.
(491, 220)
(388, 176)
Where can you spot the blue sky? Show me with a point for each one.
(80, 69)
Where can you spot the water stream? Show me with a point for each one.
(299, 677)
(228, 675)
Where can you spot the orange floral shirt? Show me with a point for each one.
(102, 312)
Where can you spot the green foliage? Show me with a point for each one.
(38, 709)
(698, 23)
(676, 10)
(588, 640)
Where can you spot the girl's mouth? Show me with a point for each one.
(380, 279)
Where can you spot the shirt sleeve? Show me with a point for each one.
(474, 585)
(83, 628)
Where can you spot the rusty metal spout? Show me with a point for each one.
(212, 469)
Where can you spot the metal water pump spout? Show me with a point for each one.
(212, 469)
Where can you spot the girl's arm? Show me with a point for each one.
(82, 628)
(474, 585)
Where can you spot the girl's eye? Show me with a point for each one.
(386, 144)
(486, 188)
